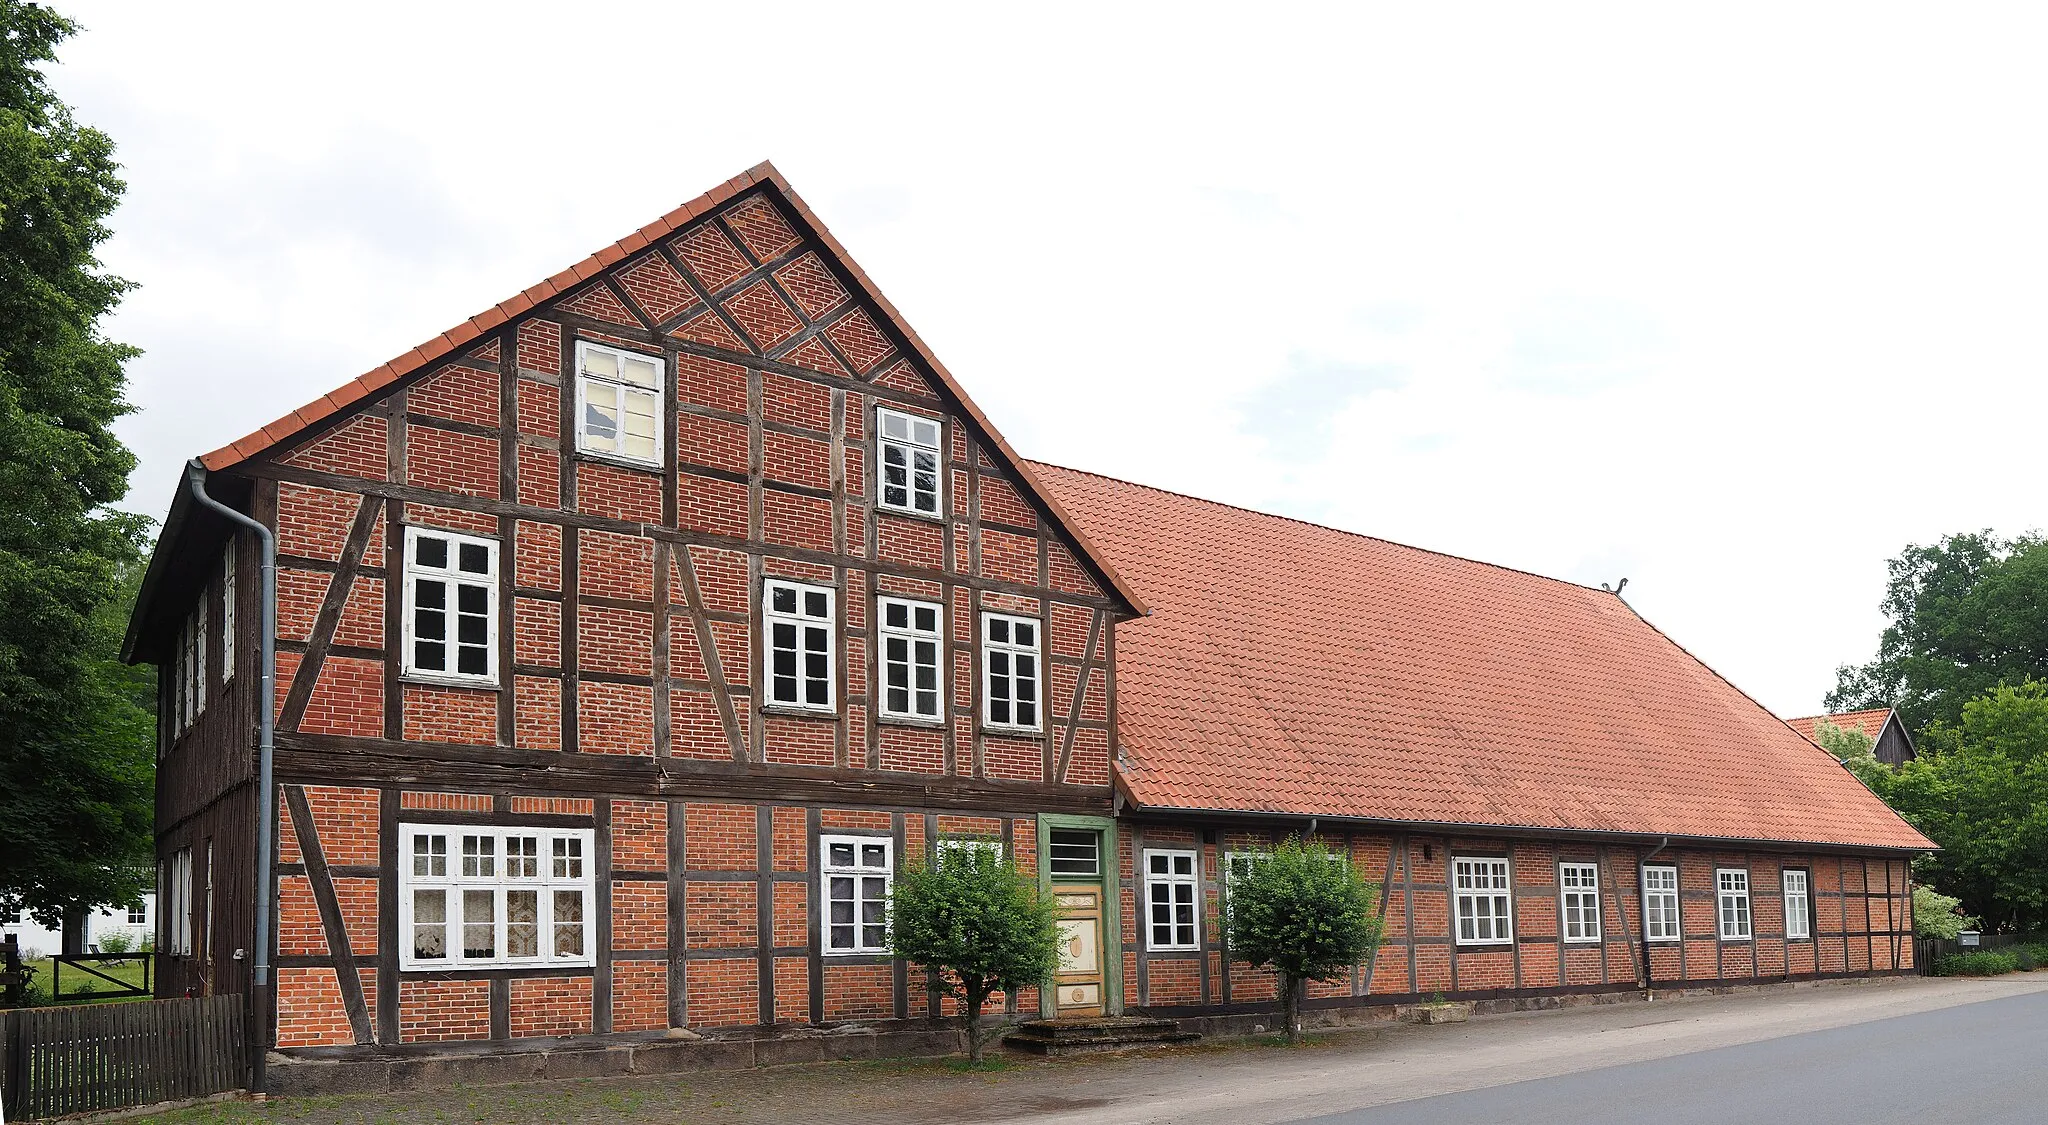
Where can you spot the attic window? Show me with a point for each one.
(618, 403)
(910, 463)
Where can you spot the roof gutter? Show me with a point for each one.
(266, 796)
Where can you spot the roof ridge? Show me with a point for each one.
(1327, 527)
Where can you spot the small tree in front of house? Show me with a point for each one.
(967, 913)
(1302, 911)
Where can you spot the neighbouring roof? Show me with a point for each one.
(1870, 723)
(1297, 670)
(420, 360)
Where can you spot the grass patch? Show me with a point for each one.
(1983, 963)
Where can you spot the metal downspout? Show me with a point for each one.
(266, 796)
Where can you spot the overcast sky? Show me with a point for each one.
(1734, 303)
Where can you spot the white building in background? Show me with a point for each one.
(136, 925)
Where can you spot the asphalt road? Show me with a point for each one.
(1974, 1064)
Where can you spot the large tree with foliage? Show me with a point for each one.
(1854, 749)
(1304, 912)
(75, 748)
(1967, 615)
(968, 914)
(1977, 789)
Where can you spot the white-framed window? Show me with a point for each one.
(1173, 893)
(911, 476)
(451, 606)
(1660, 904)
(1237, 865)
(965, 845)
(1075, 851)
(1798, 904)
(1485, 905)
(618, 403)
(201, 686)
(856, 873)
(488, 896)
(912, 635)
(1009, 661)
(138, 915)
(178, 910)
(1579, 884)
(798, 623)
(1732, 886)
(227, 613)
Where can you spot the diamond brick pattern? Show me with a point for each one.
(817, 357)
(816, 291)
(657, 288)
(710, 328)
(761, 227)
(904, 377)
(859, 339)
(761, 312)
(598, 303)
(711, 256)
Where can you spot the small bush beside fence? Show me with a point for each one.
(1983, 963)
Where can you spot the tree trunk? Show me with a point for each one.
(974, 1002)
(1290, 1007)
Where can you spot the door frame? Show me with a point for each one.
(1108, 881)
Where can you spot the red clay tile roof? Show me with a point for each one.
(762, 175)
(1870, 722)
(1294, 669)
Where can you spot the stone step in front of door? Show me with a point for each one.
(1109, 1033)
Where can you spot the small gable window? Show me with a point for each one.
(451, 606)
(910, 463)
(618, 403)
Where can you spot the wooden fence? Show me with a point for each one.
(1926, 951)
(55, 1061)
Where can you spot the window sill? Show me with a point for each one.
(1011, 732)
(912, 513)
(1485, 946)
(1584, 941)
(796, 711)
(1180, 950)
(1736, 940)
(448, 682)
(911, 722)
(623, 462)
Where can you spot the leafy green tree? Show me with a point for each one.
(1853, 749)
(967, 913)
(1966, 616)
(1977, 790)
(1304, 912)
(1936, 915)
(75, 758)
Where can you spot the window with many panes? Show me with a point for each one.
(227, 613)
(797, 620)
(1579, 886)
(618, 403)
(1485, 916)
(856, 872)
(971, 845)
(138, 915)
(1009, 660)
(472, 896)
(1172, 894)
(911, 635)
(910, 463)
(1660, 904)
(1075, 851)
(1798, 904)
(1732, 886)
(451, 606)
(1237, 865)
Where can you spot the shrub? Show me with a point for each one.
(1983, 963)
(116, 942)
(2038, 950)
(2023, 958)
(1936, 915)
(968, 914)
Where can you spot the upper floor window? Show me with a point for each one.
(1579, 884)
(227, 613)
(1485, 916)
(1660, 904)
(473, 896)
(857, 872)
(1798, 904)
(911, 635)
(910, 462)
(1172, 889)
(451, 606)
(1733, 887)
(618, 403)
(1009, 658)
(798, 623)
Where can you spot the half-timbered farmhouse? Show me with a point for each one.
(631, 634)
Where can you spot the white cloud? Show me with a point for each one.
(1735, 302)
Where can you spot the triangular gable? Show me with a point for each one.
(776, 330)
